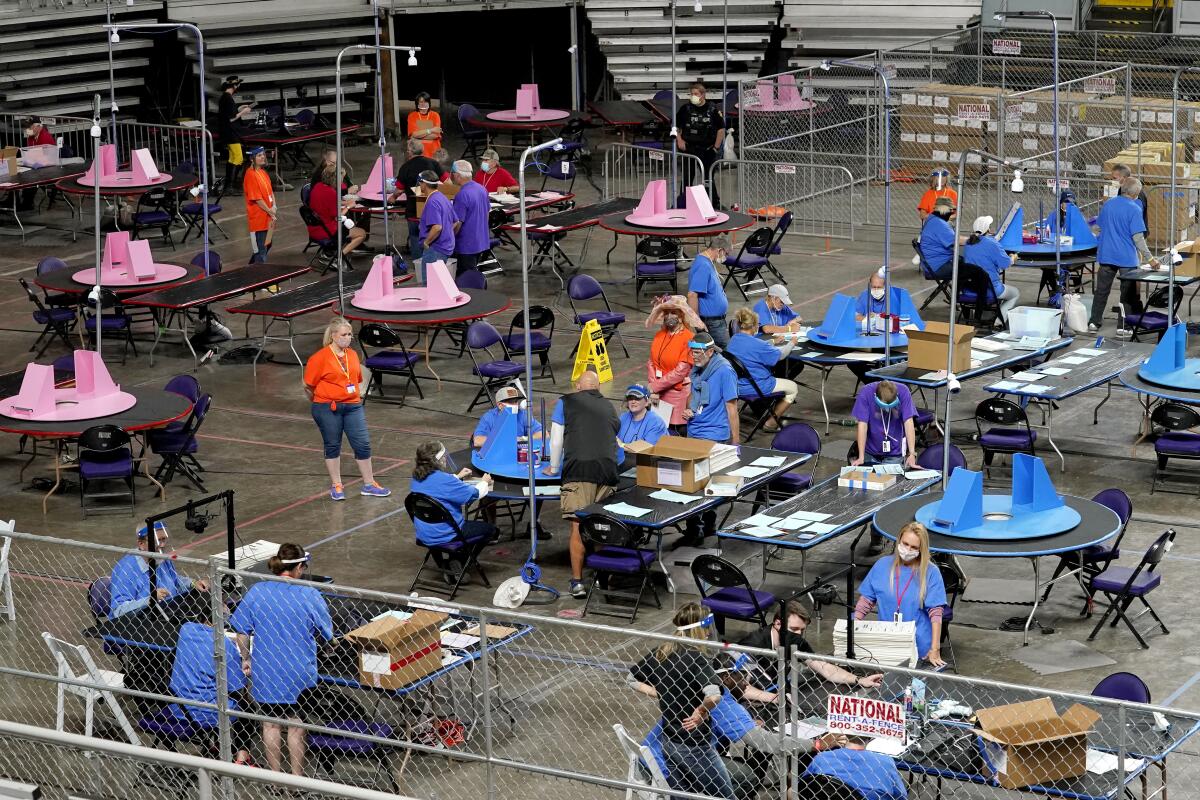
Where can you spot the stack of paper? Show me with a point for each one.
(626, 510)
(675, 497)
(543, 491)
(888, 643)
(722, 456)
(990, 345)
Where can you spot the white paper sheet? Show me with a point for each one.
(1099, 762)
(1006, 386)
(459, 641)
(1055, 370)
(1036, 388)
(791, 524)
(760, 519)
(543, 491)
(675, 497)
(889, 747)
(933, 376)
(818, 528)
(811, 516)
(1074, 360)
(811, 354)
(922, 474)
(989, 344)
(1088, 351)
(861, 356)
(768, 461)
(1025, 376)
(663, 410)
(626, 510)
(748, 472)
(760, 532)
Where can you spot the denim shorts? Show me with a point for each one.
(348, 418)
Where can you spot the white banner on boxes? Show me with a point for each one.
(862, 716)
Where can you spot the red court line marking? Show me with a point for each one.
(276, 444)
(829, 294)
(294, 504)
(301, 418)
(47, 579)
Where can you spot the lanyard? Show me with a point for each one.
(345, 368)
(774, 319)
(635, 436)
(887, 424)
(900, 593)
(655, 357)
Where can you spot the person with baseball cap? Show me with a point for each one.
(130, 587)
(228, 114)
(775, 314)
(261, 213)
(983, 251)
(711, 414)
(436, 229)
(638, 423)
(472, 237)
(508, 401)
(937, 239)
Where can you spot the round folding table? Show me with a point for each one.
(72, 186)
(1097, 524)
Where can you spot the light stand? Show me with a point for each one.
(94, 295)
(887, 197)
(337, 156)
(1171, 254)
(1000, 16)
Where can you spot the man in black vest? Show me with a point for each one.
(587, 456)
(701, 133)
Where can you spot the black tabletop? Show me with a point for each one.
(1155, 276)
(277, 138)
(41, 176)
(177, 183)
(219, 287)
(307, 298)
(664, 514)
(617, 224)
(1094, 372)
(1097, 523)
(580, 216)
(10, 382)
(847, 509)
(154, 408)
(622, 112)
(1137, 383)
(63, 280)
(483, 303)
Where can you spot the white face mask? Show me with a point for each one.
(907, 553)
(877, 294)
(423, 107)
(697, 100)
(485, 165)
(29, 131)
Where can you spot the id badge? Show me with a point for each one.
(886, 446)
(658, 374)
(897, 617)
(351, 388)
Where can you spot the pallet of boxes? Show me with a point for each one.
(1150, 162)
(938, 121)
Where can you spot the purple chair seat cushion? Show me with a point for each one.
(165, 441)
(1114, 579)
(542, 236)
(152, 218)
(499, 369)
(53, 315)
(924, 418)
(750, 397)
(790, 483)
(605, 318)
(193, 209)
(110, 322)
(391, 359)
(738, 602)
(746, 261)
(168, 726)
(1149, 320)
(1178, 443)
(656, 269)
(620, 559)
(341, 744)
(538, 342)
(115, 464)
(1007, 439)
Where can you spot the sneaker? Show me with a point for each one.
(374, 490)
(1093, 327)
(577, 590)
(336, 492)
(1124, 333)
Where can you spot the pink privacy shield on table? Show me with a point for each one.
(93, 396)
(652, 211)
(142, 171)
(529, 108)
(781, 95)
(128, 263)
(379, 293)
(382, 171)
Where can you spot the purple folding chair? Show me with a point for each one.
(931, 458)
(494, 372)
(541, 335)
(584, 287)
(328, 749)
(56, 321)
(795, 437)
(178, 448)
(1091, 561)
(1177, 441)
(1122, 585)
(616, 549)
(105, 456)
(735, 597)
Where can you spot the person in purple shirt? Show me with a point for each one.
(471, 206)
(886, 434)
(437, 223)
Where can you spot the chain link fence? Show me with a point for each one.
(419, 697)
(819, 196)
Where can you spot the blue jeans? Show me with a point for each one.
(348, 418)
(415, 245)
(719, 328)
(430, 255)
(697, 769)
(261, 248)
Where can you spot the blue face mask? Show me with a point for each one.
(879, 402)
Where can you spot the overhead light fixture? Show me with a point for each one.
(698, 7)
(825, 65)
(412, 58)
(114, 37)
(1018, 185)
(998, 17)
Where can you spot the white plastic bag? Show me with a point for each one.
(1075, 314)
(729, 149)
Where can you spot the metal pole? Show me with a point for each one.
(485, 663)
(1174, 190)
(575, 90)
(725, 58)
(337, 156)
(674, 117)
(387, 228)
(96, 170)
(533, 462)
(112, 85)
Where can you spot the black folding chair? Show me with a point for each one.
(977, 302)
(391, 358)
(326, 248)
(1014, 437)
(734, 596)
(943, 284)
(57, 321)
(424, 508)
(178, 448)
(745, 269)
(759, 404)
(616, 550)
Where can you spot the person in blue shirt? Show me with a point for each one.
(937, 239)
(759, 358)
(286, 620)
(775, 314)
(872, 302)
(873, 775)
(431, 478)
(1121, 245)
(711, 414)
(705, 293)
(508, 401)
(130, 588)
(983, 251)
(638, 423)
(907, 587)
(194, 677)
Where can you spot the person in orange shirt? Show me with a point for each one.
(333, 382)
(260, 205)
(425, 124)
(939, 186)
(669, 368)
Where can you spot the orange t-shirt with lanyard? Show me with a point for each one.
(931, 196)
(333, 379)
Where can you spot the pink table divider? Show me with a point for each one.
(108, 165)
(379, 292)
(372, 189)
(652, 210)
(94, 395)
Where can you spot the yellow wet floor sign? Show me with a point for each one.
(592, 350)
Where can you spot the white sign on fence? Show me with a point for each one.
(862, 716)
(785, 169)
(657, 156)
(1013, 112)
(1100, 84)
(1064, 183)
(974, 111)
(1006, 47)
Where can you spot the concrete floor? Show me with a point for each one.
(260, 440)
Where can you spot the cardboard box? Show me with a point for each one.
(398, 652)
(927, 349)
(676, 462)
(1029, 743)
(1190, 266)
(724, 486)
(9, 166)
(865, 479)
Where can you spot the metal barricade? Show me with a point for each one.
(819, 196)
(628, 168)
